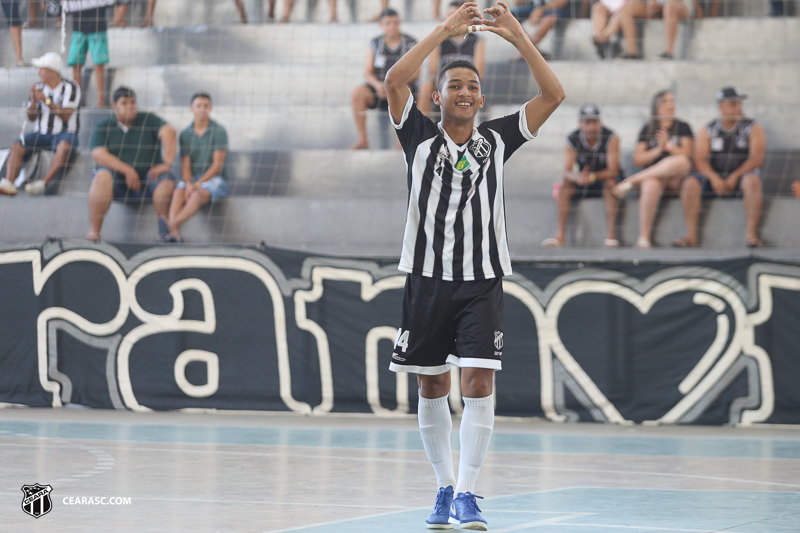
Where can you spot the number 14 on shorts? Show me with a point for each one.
(402, 339)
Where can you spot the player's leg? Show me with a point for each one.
(62, 153)
(600, 16)
(649, 197)
(479, 345)
(120, 15)
(192, 205)
(753, 201)
(242, 11)
(422, 346)
(563, 206)
(15, 159)
(435, 427)
(633, 9)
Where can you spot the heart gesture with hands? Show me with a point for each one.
(466, 20)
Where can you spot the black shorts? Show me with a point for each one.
(379, 103)
(708, 190)
(449, 323)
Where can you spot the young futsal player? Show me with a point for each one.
(455, 248)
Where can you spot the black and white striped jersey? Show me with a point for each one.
(65, 94)
(455, 226)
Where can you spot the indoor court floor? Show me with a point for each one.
(243, 473)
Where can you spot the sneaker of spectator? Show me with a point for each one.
(52, 98)
(384, 51)
(131, 166)
(728, 155)
(204, 147)
(11, 10)
(664, 153)
(594, 149)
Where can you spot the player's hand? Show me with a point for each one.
(380, 91)
(504, 23)
(132, 179)
(731, 183)
(38, 95)
(583, 177)
(157, 170)
(467, 16)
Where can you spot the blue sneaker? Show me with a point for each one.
(440, 517)
(466, 513)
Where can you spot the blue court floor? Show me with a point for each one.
(243, 473)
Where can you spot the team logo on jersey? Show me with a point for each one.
(717, 144)
(463, 163)
(36, 500)
(741, 142)
(480, 148)
(498, 340)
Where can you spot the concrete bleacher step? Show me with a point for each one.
(753, 39)
(375, 226)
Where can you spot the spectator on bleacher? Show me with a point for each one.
(728, 155)
(11, 10)
(384, 51)
(672, 11)
(287, 11)
(127, 150)
(470, 47)
(664, 152)
(204, 147)
(121, 13)
(53, 108)
(90, 34)
(595, 150)
(51, 8)
(611, 16)
(542, 14)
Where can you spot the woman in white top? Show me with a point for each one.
(610, 16)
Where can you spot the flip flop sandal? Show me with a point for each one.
(552, 243)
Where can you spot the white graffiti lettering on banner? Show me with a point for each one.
(739, 310)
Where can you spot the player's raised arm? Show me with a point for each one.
(399, 76)
(551, 93)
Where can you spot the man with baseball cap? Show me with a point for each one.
(53, 108)
(728, 155)
(595, 149)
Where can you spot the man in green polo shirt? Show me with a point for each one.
(127, 149)
(204, 146)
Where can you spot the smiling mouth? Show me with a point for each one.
(464, 104)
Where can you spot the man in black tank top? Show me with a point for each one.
(384, 51)
(470, 48)
(728, 155)
(595, 149)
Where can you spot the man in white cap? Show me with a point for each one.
(53, 108)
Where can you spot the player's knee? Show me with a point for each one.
(63, 147)
(691, 185)
(17, 148)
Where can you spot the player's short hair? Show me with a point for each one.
(389, 12)
(459, 63)
(123, 92)
(195, 96)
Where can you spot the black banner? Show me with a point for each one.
(157, 328)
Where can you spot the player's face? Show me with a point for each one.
(731, 109)
(391, 26)
(591, 128)
(666, 109)
(201, 107)
(47, 75)
(460, 94)
(126, 109)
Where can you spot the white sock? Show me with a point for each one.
(476, 432)
(435, 425)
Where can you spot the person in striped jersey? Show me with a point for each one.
(53, 108)
(455, 249)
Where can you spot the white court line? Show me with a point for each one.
(544, 522)
(494, 465)
(320, 524)
(648, 528)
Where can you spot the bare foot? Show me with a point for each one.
(684, 242)
(93, 237)
(753, 242)
(102, 104)
(360, 145)
(20, 62)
